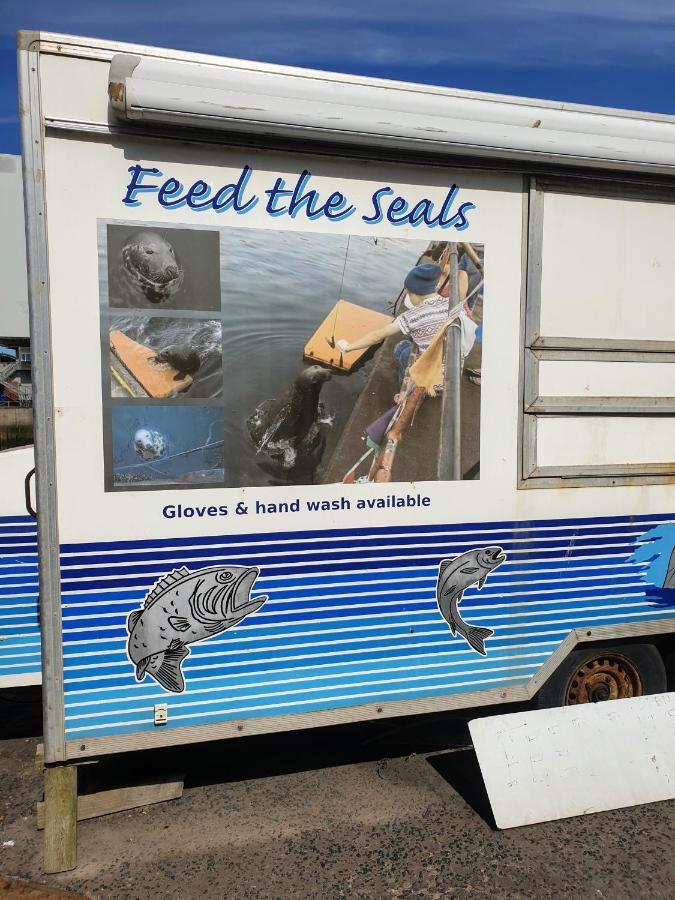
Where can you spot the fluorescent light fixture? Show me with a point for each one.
(371, 112)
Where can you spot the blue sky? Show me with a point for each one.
(605, 52)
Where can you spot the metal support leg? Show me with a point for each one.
(450, 456)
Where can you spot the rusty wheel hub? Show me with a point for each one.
(606, 677)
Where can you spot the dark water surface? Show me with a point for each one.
(277, 287)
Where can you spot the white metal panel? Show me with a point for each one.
(15, 464)
(14, 289)
(604, 440)
(498, 201)
(550, 764)
(74, 90)
(608, 268)
(592, 378)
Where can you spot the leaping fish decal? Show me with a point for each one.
(184, 607)
(454, 577)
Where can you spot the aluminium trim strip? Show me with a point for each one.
(32, 143)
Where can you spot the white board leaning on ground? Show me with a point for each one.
(551, 764)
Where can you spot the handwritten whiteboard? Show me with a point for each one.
(554, 763)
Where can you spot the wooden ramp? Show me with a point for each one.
(157, 380)
(346, 321)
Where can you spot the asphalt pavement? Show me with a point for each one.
(393, 809)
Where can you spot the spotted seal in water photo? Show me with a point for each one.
(150, 268)
(182, 357)
(287, 428)
(149, 444)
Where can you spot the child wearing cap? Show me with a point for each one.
(420, 323)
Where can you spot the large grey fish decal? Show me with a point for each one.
(454, 577)
(184, 607)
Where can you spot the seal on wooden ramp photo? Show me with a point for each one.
(163, 380)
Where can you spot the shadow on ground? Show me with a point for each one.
(20, 712)
(462, 773)
(386, 809)
(272, 755)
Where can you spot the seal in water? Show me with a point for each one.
(150, 267)
(181, 357)
(287, 428)
(149, 444)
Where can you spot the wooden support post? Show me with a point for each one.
(60, 838)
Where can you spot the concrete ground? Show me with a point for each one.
(393, 809)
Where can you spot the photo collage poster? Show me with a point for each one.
(226, 356)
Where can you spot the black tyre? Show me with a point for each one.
(605, 673)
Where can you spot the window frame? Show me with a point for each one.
(537, 347)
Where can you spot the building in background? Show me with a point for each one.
(15, 373)
(15, 354)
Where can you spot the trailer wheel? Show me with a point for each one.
(605, 673)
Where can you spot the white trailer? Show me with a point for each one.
(19, 617)
(170, 190)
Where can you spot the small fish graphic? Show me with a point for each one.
(184, 607)
(454, 577)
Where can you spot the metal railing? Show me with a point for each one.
(450, 456)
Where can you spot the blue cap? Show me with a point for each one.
(423, 279)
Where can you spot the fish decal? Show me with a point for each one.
(454, 577)
(184, 607)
